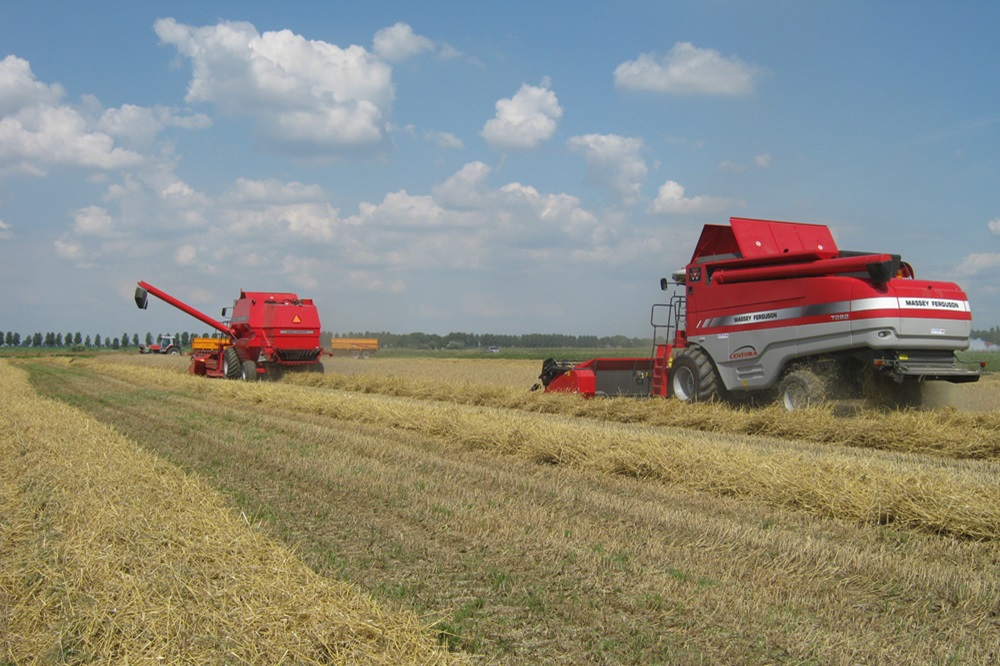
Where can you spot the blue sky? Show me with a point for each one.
(457, 166)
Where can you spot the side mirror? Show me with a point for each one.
(141, 298)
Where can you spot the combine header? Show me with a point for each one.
(774, 309)
(268, 333)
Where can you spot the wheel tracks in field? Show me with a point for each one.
(954, 498)
(112, 555)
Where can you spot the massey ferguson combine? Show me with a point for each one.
(771, 309)
(268, 333)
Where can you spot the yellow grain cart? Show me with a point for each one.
(356, 347)
(207, 355)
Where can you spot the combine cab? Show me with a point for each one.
(268, 334)
(771, 309)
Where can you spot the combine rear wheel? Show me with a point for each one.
(801, 388)
(231, 366)
(692, 377)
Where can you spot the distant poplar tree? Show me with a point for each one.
(97, 340)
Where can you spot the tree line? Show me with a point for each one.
(991, 334)
(459, 340)
(387, 340)
(81, 342)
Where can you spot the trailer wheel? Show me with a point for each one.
(231, 367)
(801, 388)
(692, 377)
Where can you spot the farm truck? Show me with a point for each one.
(268, 333)
(772, 309)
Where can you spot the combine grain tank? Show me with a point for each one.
(772, 309)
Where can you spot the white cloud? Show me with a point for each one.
(399, 42)
(688, 70)
(186, 255)
(994, 226)
(304, 92)
(671, 200)
(6, 231)
(93, 221)
(59, 135)
(466, 188)
(979, 263)
(38, 132)
(614, 163)
(246, 191)
(67, 250)
(444, 140)
(138, 126)
(20, 89)
(525, 120)
(762, 161)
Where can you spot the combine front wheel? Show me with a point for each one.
(692, 377)
(231, 366)
(249, 371)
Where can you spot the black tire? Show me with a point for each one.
(174, 351)
(249, 371)
(231, 366)
(801, 388)
(692, 377)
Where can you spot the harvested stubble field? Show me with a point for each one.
(530, 528)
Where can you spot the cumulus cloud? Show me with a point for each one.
(20, 89)
(762, 161)
(307, 93)
(525, 120)
(444, 140)
(68, 250)
(994, 226)
(93, 221)
(38, 131)
(186, 255)
(671, 200)
(138, 126)
(979, 263)
(688, 70)
(614, 163)
(399, 42)
(6, 231)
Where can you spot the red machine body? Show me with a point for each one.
(767, 306)
(268, 333)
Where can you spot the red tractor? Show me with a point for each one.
(268, 333)
(774, 309)
(165, 344)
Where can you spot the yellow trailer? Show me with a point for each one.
(357, 347)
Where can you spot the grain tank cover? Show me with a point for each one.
(747, 238)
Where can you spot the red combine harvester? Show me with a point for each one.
(268, 333)
(771, 309)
